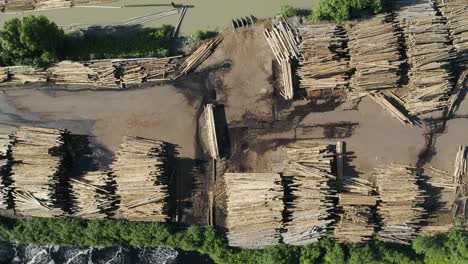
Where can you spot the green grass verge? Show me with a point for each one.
(36, 41)
(451, 248)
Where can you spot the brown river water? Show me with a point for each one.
(204, 14)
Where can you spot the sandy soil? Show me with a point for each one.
(245, 89)
(159, 112)
(371, 134)
(455, 134)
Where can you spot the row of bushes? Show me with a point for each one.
(339, 10)
(35, 40)
(451, 248)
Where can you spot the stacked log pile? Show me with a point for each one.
(355, 225)
(91, 195)
(131, 74)
(36, 170)
(19, 75)
(5, 143)
(208, 131)
(51, 4)
(158, 69)
(356, 204)
(400, 202)
(429, 55)
(200, 55)
(456, 11)
(322, 65)
(460, 165)
(19, 5)
(254, 209)
(309, 167)
(140, 174)
(67, 72)
(135, 71)
(374, 50)
(446, 185)
(104, 73)
(283, 42)
(461, 184)
(382, 100)
(98, 73)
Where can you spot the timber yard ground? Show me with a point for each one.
(240, 75)
(285, 130)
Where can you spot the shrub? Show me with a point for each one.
(289, 11)
(450, 248)
(32, 40)
(203, 34)
(341, 10)
(36, 41)
(143, 43)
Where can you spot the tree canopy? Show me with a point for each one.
(37, 41)
(34, 40)
(342, 10)
(451, 248)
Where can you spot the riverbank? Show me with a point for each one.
(448, 248)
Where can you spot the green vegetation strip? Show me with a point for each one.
(451, 248)
(339, 10)
(36, 41)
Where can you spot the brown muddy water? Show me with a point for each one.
(204, 14)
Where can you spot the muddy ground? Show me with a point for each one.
(241, 78)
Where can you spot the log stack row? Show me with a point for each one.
(208, 132)
(139, 171)
(199, 55)
(91, 195)
(38, 154)
(19, 75)
(383, 100)
(99, 73)
(400, 202)
(357, 206)
(51, 4)
(460, 165)
(429, 55)
(26, 5)
(71, 73)
(283, 42)
(456, 11)
(322, 64)
(308, 165)
(103, 73)
(5, 144)
(356, 219)
(374, 49)
(445, 184)
(254, 209)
